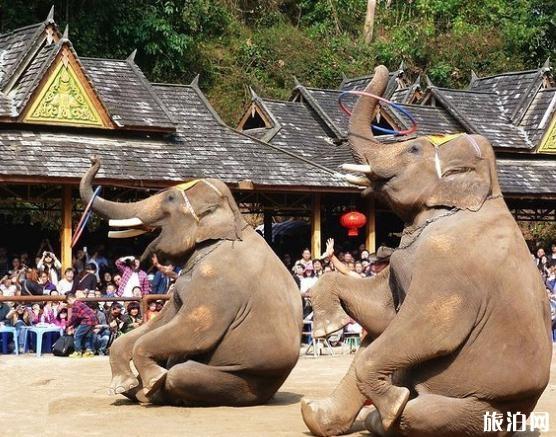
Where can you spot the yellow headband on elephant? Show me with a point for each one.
(439, 140)
(187, 185)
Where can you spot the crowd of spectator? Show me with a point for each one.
(94, 325)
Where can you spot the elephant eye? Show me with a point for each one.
(415, 149)
(171, 198)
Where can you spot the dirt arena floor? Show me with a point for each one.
(52, 396)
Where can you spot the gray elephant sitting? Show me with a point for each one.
(230, 333)
(459, 323)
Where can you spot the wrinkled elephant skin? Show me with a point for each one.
(459, 323)
(230, 333)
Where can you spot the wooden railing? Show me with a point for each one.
(143, 301)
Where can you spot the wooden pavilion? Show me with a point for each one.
(57, 109)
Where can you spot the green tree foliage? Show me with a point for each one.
(265, 43)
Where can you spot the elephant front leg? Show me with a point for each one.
(123, 379)
(426, 327)
(195, 329)
(335, 414)
(337, 298)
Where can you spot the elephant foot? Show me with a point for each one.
(326, 325)
(323, 418)
(392, 405)
(155, 383)
(373, 424)
(121, 384)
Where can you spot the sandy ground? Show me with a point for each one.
(67, 397)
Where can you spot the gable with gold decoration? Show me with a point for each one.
(65, 97)
(548, 143)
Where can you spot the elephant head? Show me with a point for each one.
(456, 171)
(186, 215)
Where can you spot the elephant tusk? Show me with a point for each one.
(135, 221)
(358, 168)
(357, 180)
(128, 233)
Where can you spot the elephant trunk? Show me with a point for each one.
(114, 210)
(360, 136)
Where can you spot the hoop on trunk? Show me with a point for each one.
(405, 112)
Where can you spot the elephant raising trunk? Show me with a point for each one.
(360, 133)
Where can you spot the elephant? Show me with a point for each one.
(230, 333)
(458, 324)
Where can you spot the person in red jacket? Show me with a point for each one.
(82, 323)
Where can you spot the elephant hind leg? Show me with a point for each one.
(196, 384)
(435, 415)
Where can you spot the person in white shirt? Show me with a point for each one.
(66, 283)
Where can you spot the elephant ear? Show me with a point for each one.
(222, 221)
(466, 180)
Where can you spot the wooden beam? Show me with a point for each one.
(370, 227)
(66, 229)
(316, 226)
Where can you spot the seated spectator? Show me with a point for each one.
(298, 273)
(317, 268)
(115, 320)
(61, 319)
(133, 318)
(65, 284)
(51, 265)
(86, 280)
(305, 258)
(110, 290)
(9, 287)
(4, 310)
(79, 261)
(159, 305)
(48, 313)
(359, 269)
(163, 277)
(45, 283)
(31, 284)
(132, 276)
(338, 265)
(19, 318)
(151, 311)
(105, 280)
(35, 314)
(101, 332)
(137, 292)
(81, 324)
(308, 280)
(17, 272)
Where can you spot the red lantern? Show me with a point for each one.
(353, 220)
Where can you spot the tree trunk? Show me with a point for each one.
(369, 21)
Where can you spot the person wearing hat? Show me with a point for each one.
(381, 260)
(115, 320)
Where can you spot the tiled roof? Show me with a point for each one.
(13, 46)
(510, 87)
(201, 147)
(527, 176)
(325, 103)
(216, 148)
(483, 113)
(32, 75)
(430, 119)
(542, 108)
(301, 132)
(127, 94)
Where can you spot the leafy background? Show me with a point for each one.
(265, 43)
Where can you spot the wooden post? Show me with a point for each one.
(66, 229)
(370, 227)
(316, 226)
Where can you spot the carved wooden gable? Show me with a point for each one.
(65, 97)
